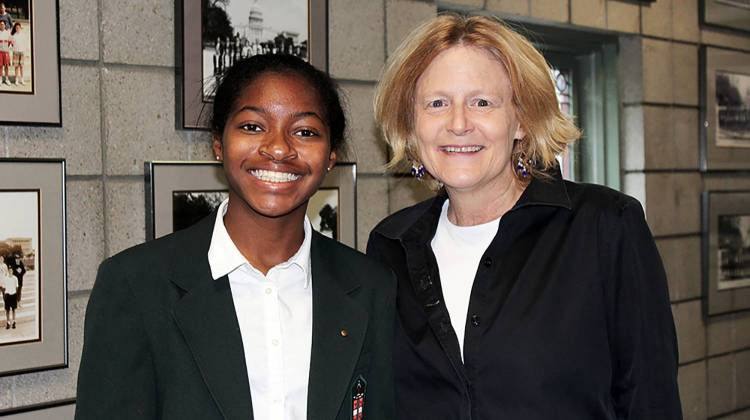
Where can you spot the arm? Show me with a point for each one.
(116, 379)
(643, 343)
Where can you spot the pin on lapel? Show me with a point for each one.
(358, 398)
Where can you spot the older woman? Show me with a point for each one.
(520, 296)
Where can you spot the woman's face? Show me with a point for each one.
(275, 145)
(466, 121)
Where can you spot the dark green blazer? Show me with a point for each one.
(162, 340)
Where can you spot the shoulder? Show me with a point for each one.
(399, 222)
(604, 201)
(369, 271)
(157, 257)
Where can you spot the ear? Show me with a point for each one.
(520, 133)
(331, 159)
(217, 147)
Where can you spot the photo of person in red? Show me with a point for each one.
(6, 42)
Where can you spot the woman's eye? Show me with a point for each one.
(437, 103)
(482, 102)
(305, 132)
(254, 128)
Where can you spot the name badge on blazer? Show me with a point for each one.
(359, 388)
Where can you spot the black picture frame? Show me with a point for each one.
(192, 110)
(47, 308)
(731, 15)
(43, 105)
(166, 179)
(726, 285)
(54, 410)
(719, 152)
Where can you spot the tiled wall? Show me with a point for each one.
(118, 81)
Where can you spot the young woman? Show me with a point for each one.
(520, 295)
(249, 313)
(20, 47)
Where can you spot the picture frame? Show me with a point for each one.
(731, 15)
(725, 111)
(266, 31)
(33, 251)
(55, 410)
(725, 258)
(36, 98)
(181, 193)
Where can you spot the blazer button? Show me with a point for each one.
(475, 320)
(344, 333)
(487, 262)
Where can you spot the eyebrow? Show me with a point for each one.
(296, 115)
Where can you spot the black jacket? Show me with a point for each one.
(162, 340)
(569, 314)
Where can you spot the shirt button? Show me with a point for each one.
(269, 291)
(275, 342)
(487, 262)
(475, 320)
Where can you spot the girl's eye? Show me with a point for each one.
(436, 103)
(306, 132)
(254, 128)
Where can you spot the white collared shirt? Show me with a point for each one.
(275, 317)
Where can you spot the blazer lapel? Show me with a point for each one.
(339, 327)
(205, 315)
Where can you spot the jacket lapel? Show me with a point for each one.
(205, 314)
(339, 328)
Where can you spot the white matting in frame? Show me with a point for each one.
(39, 340)
(172, 186)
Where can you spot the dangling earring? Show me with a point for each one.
(521, 167)
(417, 170)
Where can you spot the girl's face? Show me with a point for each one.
(276, 145)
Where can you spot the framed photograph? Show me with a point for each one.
(30, 63)
(216, 33)
(725, 109)
(33, 322)
(56, 410)
(726, 251)
(726, 14)
(178, 194)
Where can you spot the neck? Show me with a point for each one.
(482, 205)
(264, 241)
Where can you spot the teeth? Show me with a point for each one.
(462, 149)
(273, 176)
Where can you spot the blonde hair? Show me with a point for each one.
(548, 130)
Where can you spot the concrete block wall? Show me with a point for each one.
(118, 111)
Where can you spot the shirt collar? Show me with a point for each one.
(224, 257)
(422, 218)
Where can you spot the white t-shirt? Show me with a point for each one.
(5, 40)
(8, 281)
(458, 250)
(20, 42)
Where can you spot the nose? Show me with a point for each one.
(459, 123)
(278, 148)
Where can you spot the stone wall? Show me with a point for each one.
(118, 78)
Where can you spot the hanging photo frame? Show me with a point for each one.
(725, 109)
(33, 326)
(30, 63)
(214, 34)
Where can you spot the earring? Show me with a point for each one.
(218, 157)
(417, 170)
(521, 168)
